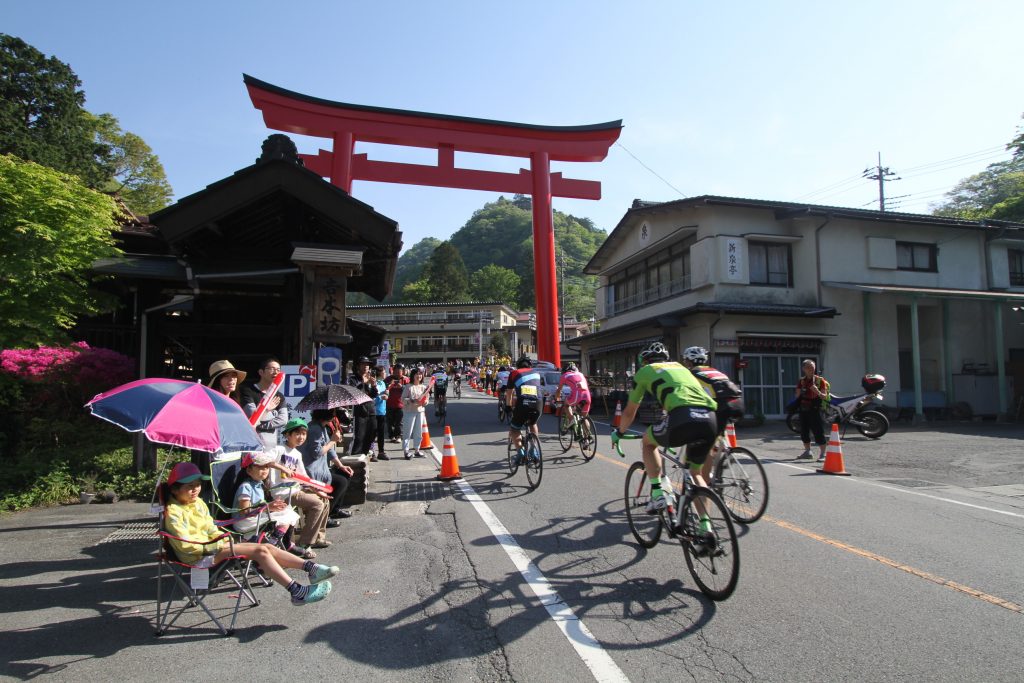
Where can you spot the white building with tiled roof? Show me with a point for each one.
(932, 303)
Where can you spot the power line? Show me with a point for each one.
(651, 170)
(883, 175)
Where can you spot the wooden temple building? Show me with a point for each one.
(255, 264)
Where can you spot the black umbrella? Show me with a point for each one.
(332, 396)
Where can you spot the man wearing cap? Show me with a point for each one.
(276, 414)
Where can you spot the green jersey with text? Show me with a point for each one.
(672, 385)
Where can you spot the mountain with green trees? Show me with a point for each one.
(490, 258)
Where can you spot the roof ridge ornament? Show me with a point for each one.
(279, 146)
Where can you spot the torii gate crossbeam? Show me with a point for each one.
(345, 124)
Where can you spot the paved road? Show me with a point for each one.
(913, 568)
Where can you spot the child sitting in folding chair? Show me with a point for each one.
(255, 514)
(187, 517)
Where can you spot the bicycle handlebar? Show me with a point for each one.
(618, 448)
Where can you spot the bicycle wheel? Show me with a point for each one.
(740, 481)
(713, 559)
(565, 432)
(646, 528)
(513, 459)
(534, 460)
(588, 444)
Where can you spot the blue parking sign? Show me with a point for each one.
(328, 366)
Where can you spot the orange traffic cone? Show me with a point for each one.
(730, 434)
(425, 436)
(834, 455)
(449, 461)
(618, 414)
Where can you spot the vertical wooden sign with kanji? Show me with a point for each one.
(329, 308)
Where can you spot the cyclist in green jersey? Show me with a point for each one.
(689, 417)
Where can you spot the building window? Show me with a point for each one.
(770, 264)
(1016, 258)
(916, 256)
(654, 279)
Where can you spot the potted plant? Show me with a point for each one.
(87, 488)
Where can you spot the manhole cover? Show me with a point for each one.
(422, 491)
(133, 533)
(911, 483)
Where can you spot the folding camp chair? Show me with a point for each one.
(195, 582)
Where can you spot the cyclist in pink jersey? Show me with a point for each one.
(574, 389)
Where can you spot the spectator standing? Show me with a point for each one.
(319, 452)
(415, 395)
(813, 391)
(365, 428)
(276, 415)
(381, 407)
(394, 402)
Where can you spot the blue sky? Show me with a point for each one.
(780, 100)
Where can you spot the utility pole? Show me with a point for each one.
(882, 175)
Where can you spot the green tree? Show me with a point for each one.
(499, 344)
(997, 192)
(42, 118)
(494, 283)
(137, 175)
(53, 229)
(446, 273)
(418, 292)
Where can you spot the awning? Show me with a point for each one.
(931, 292)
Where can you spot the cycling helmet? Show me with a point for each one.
(570, 367)
(524, 362)
(696, 355)
(652, 353)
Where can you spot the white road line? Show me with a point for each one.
(868, 482)
(600, 663)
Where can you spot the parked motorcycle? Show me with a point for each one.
(858, 410)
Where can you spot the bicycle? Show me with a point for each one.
(533, 460)
(458, 389)
(441, 408)
(713, 558)
(571, 429)
(504, 412)
(740, 481)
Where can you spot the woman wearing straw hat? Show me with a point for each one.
(225, 378)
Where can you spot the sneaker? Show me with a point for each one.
(707, 546)
(821, 458)
(316, 594)
(420, 454)
(656, 505)
(383, 456)
(407, 454)
(806, 455)
(321, 573)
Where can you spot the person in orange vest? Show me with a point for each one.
(813, 393)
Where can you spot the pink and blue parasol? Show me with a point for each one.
(178, 413)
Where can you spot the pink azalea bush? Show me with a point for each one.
(68, 375)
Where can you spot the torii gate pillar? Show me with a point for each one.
(345, 124)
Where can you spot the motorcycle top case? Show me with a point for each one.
(873, 383)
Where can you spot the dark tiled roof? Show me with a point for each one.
(429, 303)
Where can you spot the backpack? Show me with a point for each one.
(727, 393)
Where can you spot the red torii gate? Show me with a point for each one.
(345, 124)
